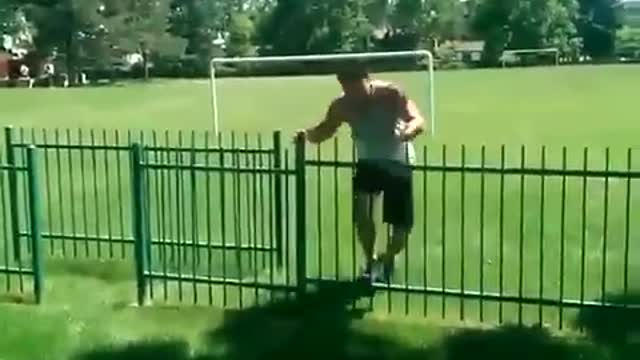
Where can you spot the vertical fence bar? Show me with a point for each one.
(301, 216)
(277, 165)
(462, 226)
(425, 229)
(272, 221)
(72, 188)
(583, 260)
(319, 210)
(120, 196)
(252, 213)
(49, 199)
(96, 192)
(541, 238)
(287, 213)
(223, 220)
(627, 225)
(139, 220)
(563, 211)
(4, 209)
(85, 217)
(35, 213)
(107, 179)
(483, 160)
(195, 241)
(13, 193)
(521, 247)
(501, 235)
(443, 229)
(336, 208)
(61, 200)
(209, 219)
(237, 215)
(605, 227)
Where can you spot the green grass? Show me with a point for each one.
(104, 326)
(554, 107)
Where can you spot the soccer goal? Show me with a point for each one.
(512, 56)
(369, 56)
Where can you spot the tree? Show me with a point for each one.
(14, 24)
(241, 34)
(295, 27)
(198, 22)
(524, 24)
(141, 26)
(62, 25)
(597, 26)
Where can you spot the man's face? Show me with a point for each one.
(355, 89)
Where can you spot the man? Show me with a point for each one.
(384, 122)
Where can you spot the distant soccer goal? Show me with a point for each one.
(514, 56)
(328, 58)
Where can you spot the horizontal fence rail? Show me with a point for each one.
(501, 233)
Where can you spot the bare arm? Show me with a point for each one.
(414, 121)
(326, 128)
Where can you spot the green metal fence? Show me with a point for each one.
(501, 234)
(21, 264)
(87, 185)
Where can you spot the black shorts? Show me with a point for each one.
(394, 180)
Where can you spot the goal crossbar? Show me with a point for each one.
(322, 57)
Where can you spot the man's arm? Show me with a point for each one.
(327, 128)
(409, 112)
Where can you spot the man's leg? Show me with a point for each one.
(398, 212)
(363, 215)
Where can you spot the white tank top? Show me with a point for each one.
(375, 139)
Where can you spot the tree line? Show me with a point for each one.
(182, 35)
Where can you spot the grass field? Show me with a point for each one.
(555, 107)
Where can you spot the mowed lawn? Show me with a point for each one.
(467, 235)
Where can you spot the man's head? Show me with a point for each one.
(354, 80)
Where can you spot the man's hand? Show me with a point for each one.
(300, 134)
(407, 131)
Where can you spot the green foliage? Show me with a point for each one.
(519, 24)
(597, 27)
(241, 30)
(628, 42)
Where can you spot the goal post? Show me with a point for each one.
(429, 81)
(506, 54)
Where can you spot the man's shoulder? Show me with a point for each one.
(386, 89)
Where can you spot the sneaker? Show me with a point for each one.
(365, 273)
(389, 268)
(377, 271)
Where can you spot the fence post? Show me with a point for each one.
(277, 165)
(139, 232)
(35, 213)
(301, 215)
(13, 193)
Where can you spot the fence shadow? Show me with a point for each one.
(618, 330)
(156, 350)
(321, 326)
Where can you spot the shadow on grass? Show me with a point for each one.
(156, 350)
(617, 329)
(321, 326)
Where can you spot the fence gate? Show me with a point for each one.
(212, 224)
(20, 207)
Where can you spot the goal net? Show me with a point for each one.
(279, 88)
